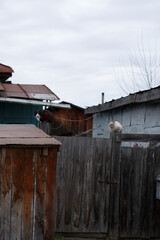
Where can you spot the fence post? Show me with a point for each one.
(114, 188)
(45, 126)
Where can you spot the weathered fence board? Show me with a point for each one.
(5, 193)
(99, 192)
(155, 221)
(83, 167)
(114, 188)
(27, 193)
(17, 193)
(139, 209)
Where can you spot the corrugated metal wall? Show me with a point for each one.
(18, 113)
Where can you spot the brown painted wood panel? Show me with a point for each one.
(5, 192)
(18, 156)
(29, 158)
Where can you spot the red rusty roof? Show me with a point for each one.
(40, 92)
(5, 69)
(25, 134)
(1, 87)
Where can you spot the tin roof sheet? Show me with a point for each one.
(5, 68)
(25, 134)
(39, 92)
(149, 95)
(1, 87)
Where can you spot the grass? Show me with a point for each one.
(58, 237)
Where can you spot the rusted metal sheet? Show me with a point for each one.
(25, 134)
(40, 92)
(5, 69)
(1, 87)
(13, 90)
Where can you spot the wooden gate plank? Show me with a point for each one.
(155, 220)
(114, 188)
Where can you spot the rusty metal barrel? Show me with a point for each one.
(27, 183)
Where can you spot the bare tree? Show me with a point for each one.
(143, 71)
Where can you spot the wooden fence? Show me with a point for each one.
(105, 189)
(83, 167)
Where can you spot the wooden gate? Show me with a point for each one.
(135, 209)
(82, 200)
(106, 189)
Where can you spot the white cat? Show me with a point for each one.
(115, 126)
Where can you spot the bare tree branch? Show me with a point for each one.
(143, 71)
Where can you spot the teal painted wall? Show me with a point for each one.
(18, 113)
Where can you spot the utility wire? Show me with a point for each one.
(71, 120)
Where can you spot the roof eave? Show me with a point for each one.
(139, 97)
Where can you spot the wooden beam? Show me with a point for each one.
(130, 137)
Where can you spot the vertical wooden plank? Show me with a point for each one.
(125, 189)
(60, 185)
(88, 185)
(28, 193)
(101, 186)
(50, 195)
(155, 222)
(5, 192)
(132, 175)
(146, 193)
(17, 196)
(78, 170)
(68, 178)
(136, 177)
(40, 194)
(114, 188)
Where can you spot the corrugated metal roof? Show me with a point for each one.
(25, 134)
(152, 94)
(5, 68)
(39, 92)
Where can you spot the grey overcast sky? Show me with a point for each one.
(75, 46)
